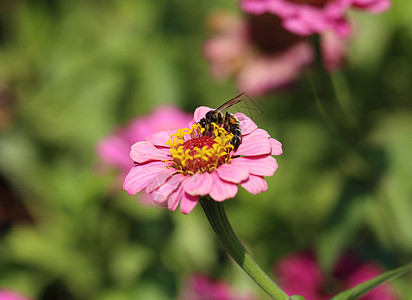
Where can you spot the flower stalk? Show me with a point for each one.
(216, 215)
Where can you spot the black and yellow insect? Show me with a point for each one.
(229, 121)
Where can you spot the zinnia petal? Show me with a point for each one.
(160, 138)
(255, 143)
(145, 151)
(174, 198)
(159, 179)
(255, 184)
(198, 185)
(114, 151)
(257, 165)
(246, 124)
(160, 196)
(300, 17)
(6, 294)
(187, 203)
(221, 189)
(276, 147)
(300, 275)
(254, 7)
(373, 6)
(139, 176)
(235, 174)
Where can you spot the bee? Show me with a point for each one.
(229, 121)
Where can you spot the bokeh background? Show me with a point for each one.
(71, 72)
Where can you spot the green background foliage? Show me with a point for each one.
(76, 70)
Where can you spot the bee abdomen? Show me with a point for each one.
(236, 141)
(233, 126)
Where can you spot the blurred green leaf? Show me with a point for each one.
(191, 244)
(389, 213)
(129, 262)
(361, 289)
(343, 223)
(58, 258)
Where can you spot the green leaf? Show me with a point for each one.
(296, 297)
(361, 289)
(343, 223)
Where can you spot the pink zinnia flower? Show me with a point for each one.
(299, 274)
(306, 17)
(178, 167)
(114, 150)
(6, 294)
(261, 54)
(200, 287)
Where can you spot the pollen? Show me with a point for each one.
(196, 151)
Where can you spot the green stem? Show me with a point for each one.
(322, 108)
(343, 98)
(216, 215)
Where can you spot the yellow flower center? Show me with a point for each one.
(194, 150)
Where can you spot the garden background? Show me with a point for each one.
(71, 72)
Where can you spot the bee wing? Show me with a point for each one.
(231, 102)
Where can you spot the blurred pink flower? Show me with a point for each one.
(299, 274)
(261, 54)
(373, 6)
(180, 166)
(306, 17)
(333, 49)
(200, 287)
(6, 294)
(114, 150)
